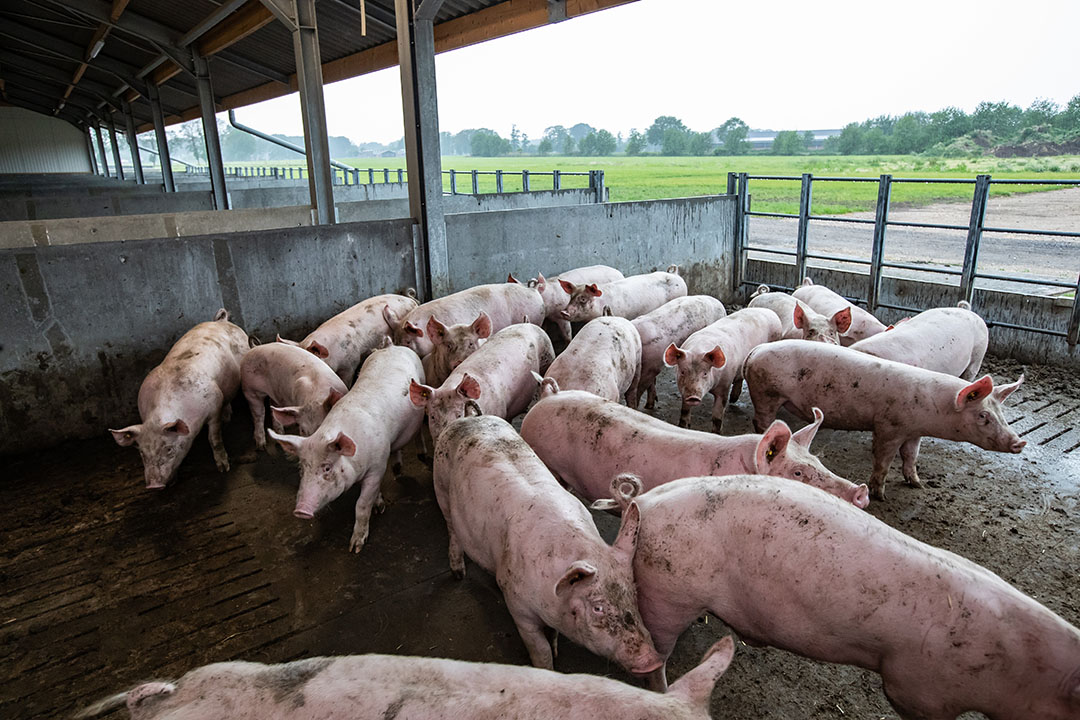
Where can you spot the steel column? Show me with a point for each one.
(210, 131)
(805, 198)
(1073, 334)
(115, 148)
(133, 143)
(742, 206)
(877, 249)
(416, 58)
(475, 183)
(524, 181)
(453, 182)
(313, 110)
(556, 180)
(498, 181)
(101, 148)
(732, 183)
(974, 238)
(90, 151)
(162, 141)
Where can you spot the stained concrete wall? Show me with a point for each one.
(384, 209)
(992, 305)
(81, 325)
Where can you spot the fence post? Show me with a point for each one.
(975, 227)
(1073, 336)
(453, 182)
(556, 180)
(805, 198)
(386, 175)
(877, 249)
(371, 176)
(742, 205)
(400, 175)
(498, 181)
(475, 184)
(524, 181)
(600, 194)
(732, 183)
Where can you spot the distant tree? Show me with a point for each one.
(515, 139)
(579, 131)
(488, 143)
(605, 142)
(545, 147)
(587, 145)
(698, 143)
(947, 124)
(788, 142)
(910, 134)
(190, 138)
(463, 142)
(1000, 118)
(1069, 118)
(808, 139)
(732, 136)
(568, 145)
(851, 139)
(635, 143)
(557, 134)
(673, 141)
(238, 146)
(1040, 112)
(524, 142)
(656, 131)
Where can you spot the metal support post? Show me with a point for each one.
(400, 175)
(159, 132)
(524, 181)
(371, 176)
(475, 183)
(732, 183)
(133, 143)
(498, 181)
(386, 175)
(1073, 335)
(210, 131)
(975, 228)
(313, 109)
(556, 179)
(601, 193)
(877, 249)
(738, 264)
(453, 182)
(805, 198)
(416, 59)
(90, 151)
(115, 148)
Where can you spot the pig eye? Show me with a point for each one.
(598, 609)
(798, 473)
(984, 417)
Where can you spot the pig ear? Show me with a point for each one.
(580, 571)
(807, 282)
(482, 325)
(318, 350)
(468, 387)
(771, 447)
(332, 398)
(568, 287)
(511, 279)
(799, 316)
(716, 357)
(541, 283)
(342, 445)
(842, 320)
(287, 342)
(1002, 392)
(127, 436)
(673, 355)
(285, 415)
(388, 316)
(697, 685)
(594, 290)
(176, 426)
(419, 394)
(806, 436)
(436, 330)
(607, 311)
(974, 392)
(289, 443)
(626, 541)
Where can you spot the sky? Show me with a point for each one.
(777, 64)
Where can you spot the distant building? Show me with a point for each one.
(763, 139)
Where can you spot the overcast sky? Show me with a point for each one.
(803, 66)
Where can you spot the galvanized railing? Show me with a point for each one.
(738, 185)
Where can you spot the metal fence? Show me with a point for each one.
(738, 185)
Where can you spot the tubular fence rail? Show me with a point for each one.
(738, 185)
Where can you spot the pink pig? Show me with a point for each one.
(672, 322)
(506, 512)
(501, 377)
(556, 297)
(711, 360)
(900, 403)
(787, 566)
(825, 301)
(585, 440)
(346, 339)
(194, 385)
(301, 387)
(604, 358)
(799, 321)
(452, 345)
(354, 442)
(504, 303)
(627, 298)
(948, 340)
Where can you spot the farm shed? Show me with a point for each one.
(104, 264)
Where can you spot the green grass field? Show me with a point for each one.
(651, 178)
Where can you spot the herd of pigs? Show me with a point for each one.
(752, 528)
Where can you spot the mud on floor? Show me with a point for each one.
(106, 584)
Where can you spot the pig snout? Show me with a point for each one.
(158, 485)
(304, 511)
(860, 496)
(645, 662)
(1017, 445)
(564, 315)
(692, 400)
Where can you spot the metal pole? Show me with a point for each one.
(1073, 336)
(400, 175)
(453, 182)
(115, 149)
(524, 181)
(742, 206)
(90, 151)
(371, 176)
(313, 109)
(556, 180)
(877, 249)
(600, 190)
(162, 140)
(732, 183)
(133, 143)
(498, 181)
(475, 184)
(210, 131)
(971, 250)
(805, 197)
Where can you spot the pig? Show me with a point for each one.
(347, 338)
(502, 377)
(504, 304)
(672, 322)
(898, 402)
(628, 298)
(301, 387)
(604, 359)
(787, 566)
(354, 442)
(947, 340)
(363, 687)
(194, 385)
(585, 440)
(799, 321)
(451, 345)
(825, 301)
(556, 298)
(711, 360)
(506, 511)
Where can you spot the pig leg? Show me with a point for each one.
(684, 415)
(885, 448)
(650, 402)
(736, 388)
(226, 412)
(633, 395)
(909, 453)
(369, 494)
(221, 458)
(396, 467)
(533, 633)
(564, 329)
(657, 679)
(257, 405)
(457, 555)
(719, 407)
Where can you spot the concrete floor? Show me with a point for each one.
(107, 584)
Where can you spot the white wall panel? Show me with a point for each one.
(34, 143)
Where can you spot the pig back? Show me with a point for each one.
(946, 340)
(208, 354)
(381, 394)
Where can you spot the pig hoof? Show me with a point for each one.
(650, 405)
(357, 543)
(717, 425)
(458, 573)
(684, 423)
(222, 464)
(878, 493)
(380, 505)
(914, 481)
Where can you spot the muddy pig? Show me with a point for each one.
(604, 358)
(672, 322)
(191, 387)
(825, 301)
(787, 566)
(799, 321)
(585, 440)
(506, 511)
(711, 360)
(452, 345)
(900, 403)
(627, 298)
(556, 298)
(354, 442)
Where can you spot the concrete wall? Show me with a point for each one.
(992, 305)
(31, 142)
(384, 209)
(279, 196)
(81, 325)
(145, 199)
